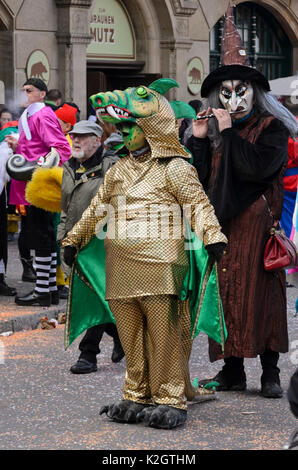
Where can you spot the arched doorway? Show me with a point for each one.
(267, 44)
(110, 64)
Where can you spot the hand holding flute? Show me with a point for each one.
(200, 125)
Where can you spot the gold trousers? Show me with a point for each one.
(155, 335)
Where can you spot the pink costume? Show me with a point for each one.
(45, 132)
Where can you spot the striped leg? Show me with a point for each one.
(52, 281)
(42, 267)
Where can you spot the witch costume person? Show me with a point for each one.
(241, 159)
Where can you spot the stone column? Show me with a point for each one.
(174, 61)
(73, 37)
(174, 55)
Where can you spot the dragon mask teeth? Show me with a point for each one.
(98, 115)
(113, 111)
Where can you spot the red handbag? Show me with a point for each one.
(280, 252)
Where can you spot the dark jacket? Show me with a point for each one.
(250, 163)
(246, 169)
(79, 188)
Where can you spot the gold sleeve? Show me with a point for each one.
(91, 222)
(184, 184)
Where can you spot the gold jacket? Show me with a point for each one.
(141, 199)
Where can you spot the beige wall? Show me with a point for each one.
(169, 33)
(178, 35)
(205, 18)
(35, 28)
(61, 33)
(6, 69)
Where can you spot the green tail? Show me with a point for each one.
(201, 287)
(87, 306)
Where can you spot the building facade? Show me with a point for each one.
(85, 46)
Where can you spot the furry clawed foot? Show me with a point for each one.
(124, 411)
(162, 416)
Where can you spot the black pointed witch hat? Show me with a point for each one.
(234, 60)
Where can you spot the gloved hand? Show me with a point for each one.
(215, 251)
(70, 252)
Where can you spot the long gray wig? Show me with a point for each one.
(264, 102)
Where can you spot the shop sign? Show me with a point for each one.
(38, 66)
(195, 75)
(112, 33)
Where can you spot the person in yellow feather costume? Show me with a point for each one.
(44, 190)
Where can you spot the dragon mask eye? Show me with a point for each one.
(142, 92)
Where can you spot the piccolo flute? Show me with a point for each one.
(208, 116)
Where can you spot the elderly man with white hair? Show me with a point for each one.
(82, 176)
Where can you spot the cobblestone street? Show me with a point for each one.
(44, 406)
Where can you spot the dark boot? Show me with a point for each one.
(55, 297)
(63, 292)
(232, 377)
(5, 289)
(270, 381)
(118, 353)
(29, 274)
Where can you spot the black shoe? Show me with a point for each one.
(118, 352)
(63, 292)
(55, 296)
(220, 383)
(82, 366)
(271, 390)
(34, 298)
(6, 290)
(29, 274)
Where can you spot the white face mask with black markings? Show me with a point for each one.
(237, 97)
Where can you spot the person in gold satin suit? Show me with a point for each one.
(142, 197)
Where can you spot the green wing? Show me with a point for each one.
(162, 85)
(183, 110)
(87, 306)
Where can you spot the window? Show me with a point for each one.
(266, 43)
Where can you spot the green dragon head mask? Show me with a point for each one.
(145, 117)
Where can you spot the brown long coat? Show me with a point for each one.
(254, 301)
